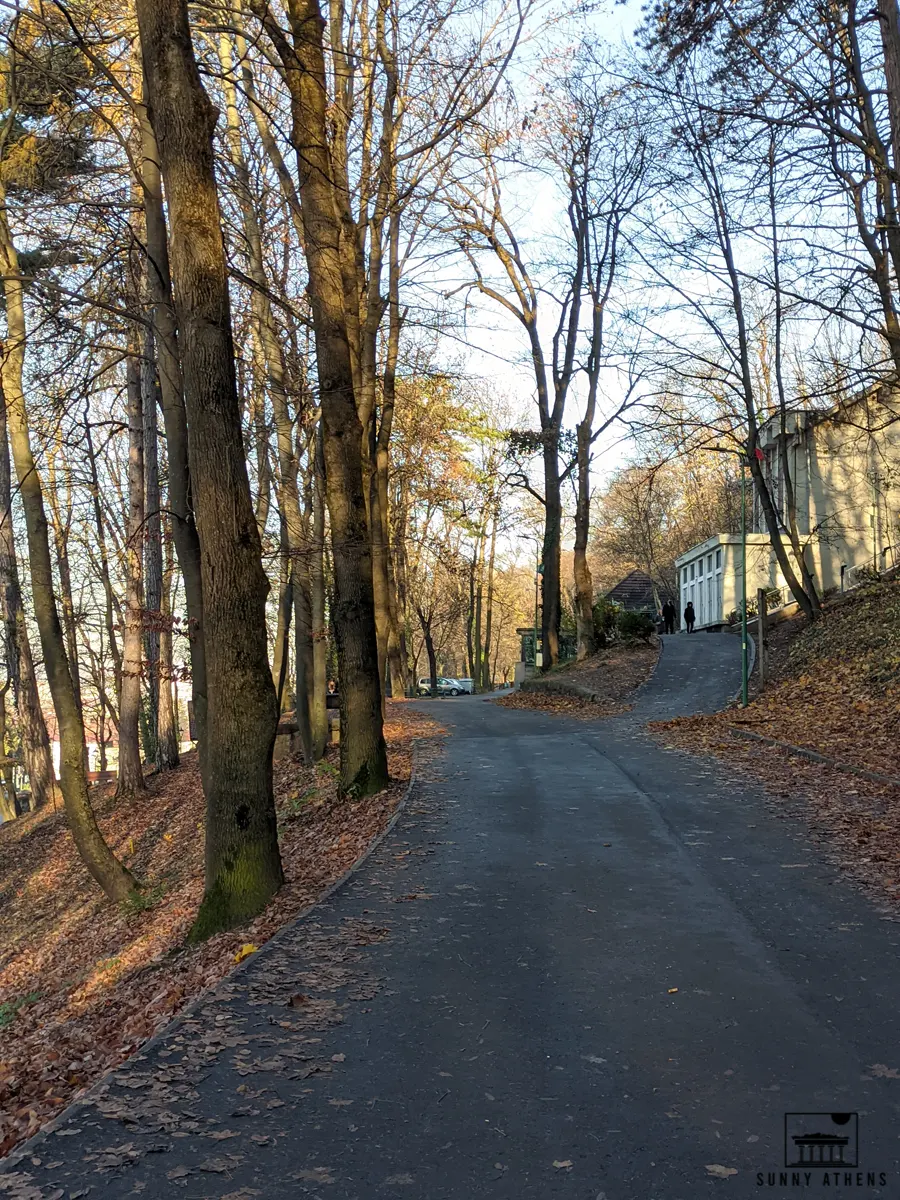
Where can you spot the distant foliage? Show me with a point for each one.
(605, 617)
(636, 626)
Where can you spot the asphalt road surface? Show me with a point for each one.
(581, 966)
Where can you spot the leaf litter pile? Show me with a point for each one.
(613, 675)
(84, 982)
(833, 688)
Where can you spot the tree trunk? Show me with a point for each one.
(61, 543)
(131, 774)
(110, 607)
(363, 754)
(36, 752)
(171, 394)
(243, 867)
(551, 582)
(116, 881)
(167, 753)
(318, 714)
(584, 584)
(486, 682)
(475, 675)
(281, 652)
(152, 537)
(303, 667)
(9, 807)
(432, 657)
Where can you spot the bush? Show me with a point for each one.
(605, 614)
(636, 626)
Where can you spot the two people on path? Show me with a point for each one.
(690, 617)
(669, 613)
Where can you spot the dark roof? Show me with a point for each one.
(634, 592)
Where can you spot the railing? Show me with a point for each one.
(776, 597)
(854, 577)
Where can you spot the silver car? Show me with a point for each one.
(445, 687)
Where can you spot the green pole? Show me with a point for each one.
(744, 647)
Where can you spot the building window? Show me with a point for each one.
(709, 562)
(692, 570)
(718, 560)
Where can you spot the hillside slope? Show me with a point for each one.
(834, 689)
(84, 982)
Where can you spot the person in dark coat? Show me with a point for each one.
(669, 613)
(690, 616)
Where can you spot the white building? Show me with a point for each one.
(845, 468)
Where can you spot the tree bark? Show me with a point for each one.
(167, 752)
(152, 537)
(363, 754)
(9, 801)
(486, 682)
(243, 867)
(318, 714)
(115, 880)
(110, 607)
(584, 584)
(131, 773)
(36, 753)
(171, 394)
(281, 650)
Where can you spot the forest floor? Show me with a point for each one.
(833, 688)
(613, 675)
(84, 982)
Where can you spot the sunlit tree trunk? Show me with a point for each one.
(152, 539)
(167, 752)
(131, 774)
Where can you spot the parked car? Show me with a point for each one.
(467, 685)
(446, 687)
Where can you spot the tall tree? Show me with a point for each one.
(363, 754)
(19, 660)
(243, 867)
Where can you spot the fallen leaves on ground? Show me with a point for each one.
(612, 675)
(835, 689)
(86, 982)
(721, 1172)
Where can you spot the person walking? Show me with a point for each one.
(690, 616)
(669, 613)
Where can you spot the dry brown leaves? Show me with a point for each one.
(84, 982)
(612, 675)
(835, 690)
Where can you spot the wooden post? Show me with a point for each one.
(761, 634)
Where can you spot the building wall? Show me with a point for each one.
(846, 473)
(845, 469)
(710, 575)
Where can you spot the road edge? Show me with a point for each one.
(27, 1147)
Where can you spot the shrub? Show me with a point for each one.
(636, 626)
(605, 614)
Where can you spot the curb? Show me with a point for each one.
(814, 756)
(27, 1147)
(576, 690)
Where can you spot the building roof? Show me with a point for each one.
(635, 592)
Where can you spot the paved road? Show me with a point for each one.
(493, 995)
